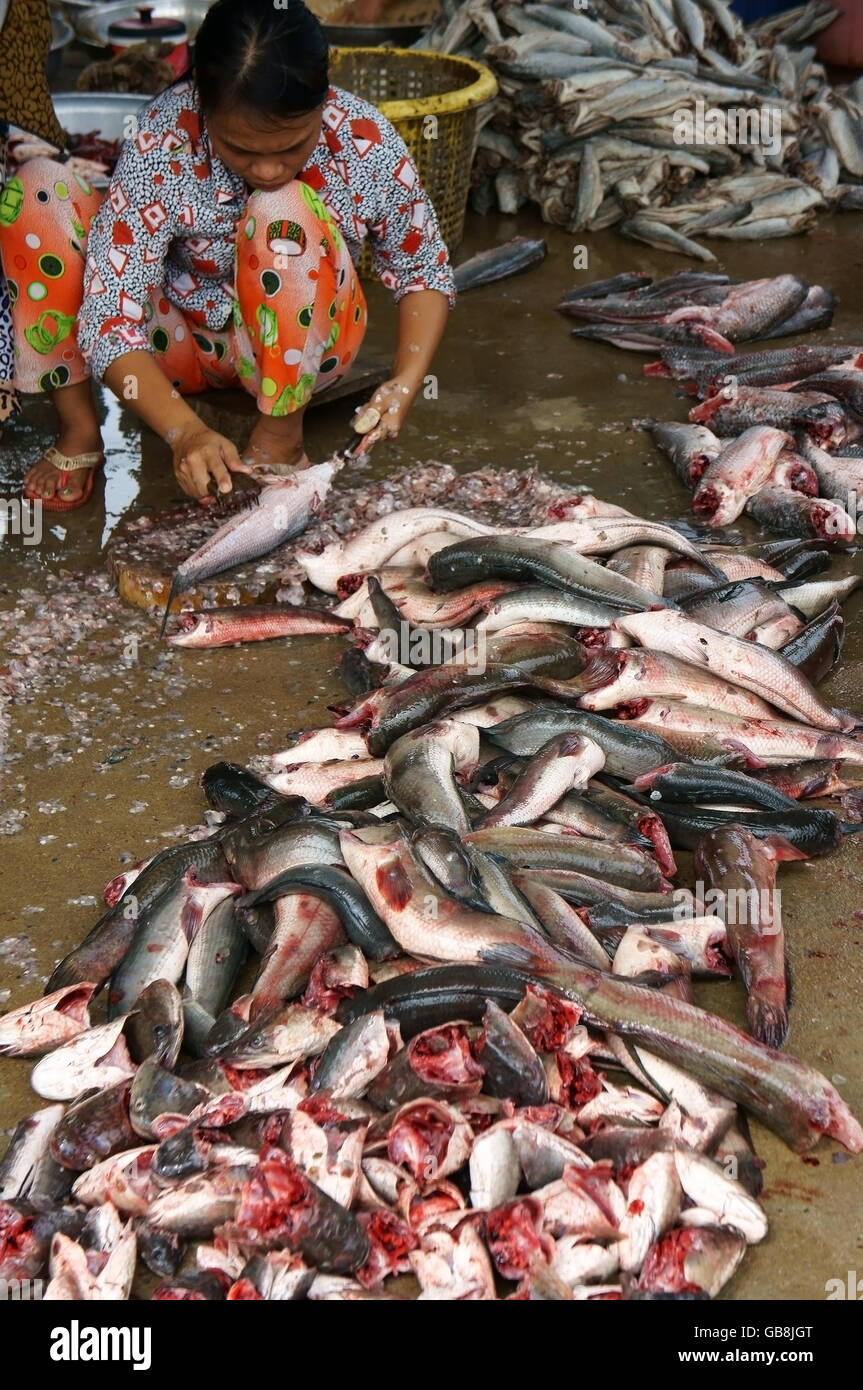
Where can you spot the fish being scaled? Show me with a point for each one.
(281, 510)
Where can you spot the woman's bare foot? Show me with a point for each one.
(79, 433)
(277, 443)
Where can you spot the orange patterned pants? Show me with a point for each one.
(299, 317)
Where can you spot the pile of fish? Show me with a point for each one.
(777, 432)
(666, 118)
(421, 1004)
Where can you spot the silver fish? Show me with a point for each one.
(282, 510)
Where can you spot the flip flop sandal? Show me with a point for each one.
(66, 465)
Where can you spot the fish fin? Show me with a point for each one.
(782, 848)
(768, 1022)
(600, 671)
(191, 917)
(653, 979)
(492, 768)
(511, 953)
(641, 1070)
(610, 938)
(849, 827)
(646, 780)
(175, 589)
(751, 760)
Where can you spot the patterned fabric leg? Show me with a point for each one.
(194, 359)
(300, 314)
(45, 214)
(9, 403)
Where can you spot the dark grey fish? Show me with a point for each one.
(257, 858)
(155, 1029)
(499, 262)
(622, 865)
(445, 856)
(545, 562)
(816, 311)
(156, 1092)
(362, 924)
(627, 752)
(104, 947)
(353, 1058)
(436, 994)
(216, 956)
(160, 1251)
(699, 782)
(27, 1150)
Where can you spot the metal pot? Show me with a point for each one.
(91, 25)
(147, 24)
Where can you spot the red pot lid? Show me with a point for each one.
(148, 25)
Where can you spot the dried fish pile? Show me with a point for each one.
(668, 119)
(422, 1004)
(777, 431)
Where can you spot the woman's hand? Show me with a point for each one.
(392, 401)
(422, 316)
(201, 456)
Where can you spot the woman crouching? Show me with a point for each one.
(223, 253)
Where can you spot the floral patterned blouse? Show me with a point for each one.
(170, 216)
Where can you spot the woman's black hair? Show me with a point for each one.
(264, 55)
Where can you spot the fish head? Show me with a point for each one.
(191, 629)
(51, 1020)
(825, 423)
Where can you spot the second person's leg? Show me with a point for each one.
(45, 214)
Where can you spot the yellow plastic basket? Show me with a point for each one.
(432, 100)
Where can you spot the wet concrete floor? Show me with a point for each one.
(107, 738)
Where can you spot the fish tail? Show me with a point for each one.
(767, 1021)
(519, 957)
(66, 973)
(851, 722)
